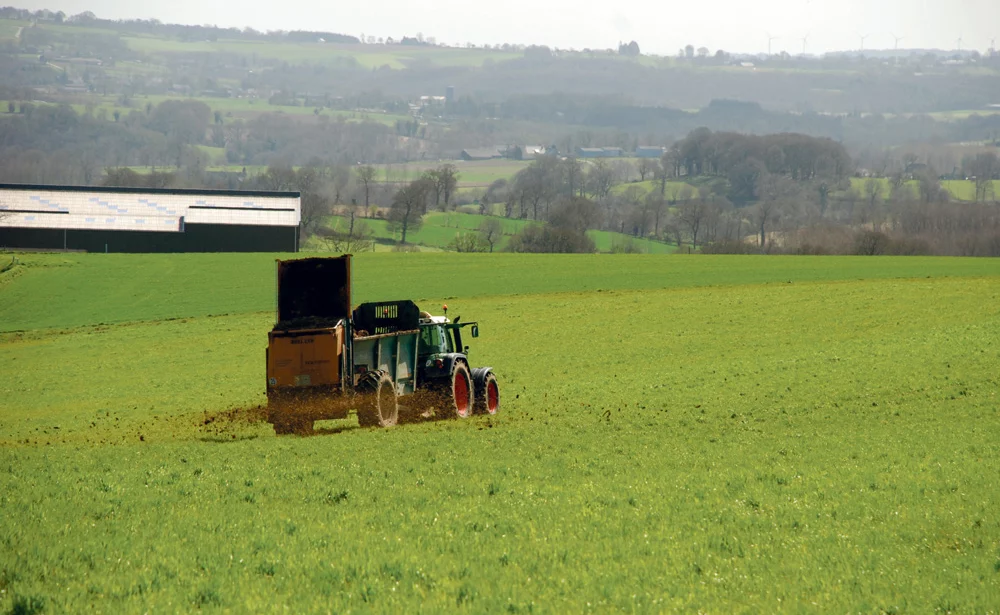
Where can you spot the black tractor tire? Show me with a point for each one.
(379, 405)
(487, 392)
(461, 393)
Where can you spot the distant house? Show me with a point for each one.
(481, 153)
(649, 151)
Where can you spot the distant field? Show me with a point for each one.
(676, 434)
(9, 28)
(474, 174)
(953, 116)
(960, 190)
(231, 108)
(367, 56)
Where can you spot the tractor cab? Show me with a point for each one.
(439, 335)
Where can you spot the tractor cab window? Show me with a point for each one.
(434, 340)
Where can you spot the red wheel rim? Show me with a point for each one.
(492, 397)
(461, 394)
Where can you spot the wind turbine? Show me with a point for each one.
(769, 40)
(805, 39)
(863, 37)
(960, 43)
(898, 38)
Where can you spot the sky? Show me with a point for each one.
(660, 27)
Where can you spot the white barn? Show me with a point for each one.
(147, 219)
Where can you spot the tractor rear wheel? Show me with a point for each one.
(462, 395)
(487, 395)
(379, 406)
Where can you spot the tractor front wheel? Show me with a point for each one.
(379, 406)
(487, 395)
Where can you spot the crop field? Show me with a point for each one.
(677, 433)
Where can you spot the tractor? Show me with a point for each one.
(386, 360)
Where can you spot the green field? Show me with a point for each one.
(471, 174)
(9, 29)
(366, 56)
(699, 434)
(441, 228)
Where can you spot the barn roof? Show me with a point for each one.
(132, 209)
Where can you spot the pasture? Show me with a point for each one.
(678, 433)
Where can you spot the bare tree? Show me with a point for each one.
(647, 168)
(409, 206)
(656, 206)
(691, 215)
(873, 190)
(983, 168)
(490, 232)
(775, 192)
(366, 175)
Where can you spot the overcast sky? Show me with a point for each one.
(659, 26)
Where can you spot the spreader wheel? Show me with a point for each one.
(487, 395)
(461, 392)
(379, 407)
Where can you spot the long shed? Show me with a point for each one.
(100, 219)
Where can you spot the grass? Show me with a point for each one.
(708, 434)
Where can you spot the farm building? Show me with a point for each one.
(482, 153)
(147, 219)
(598, 152)
(649, 151)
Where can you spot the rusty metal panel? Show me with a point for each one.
(304, 358)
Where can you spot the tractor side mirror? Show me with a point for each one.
(475, 330)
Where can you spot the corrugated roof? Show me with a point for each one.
(129, 209)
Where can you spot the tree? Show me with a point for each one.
(983, 168)
(409, 206)
(279, 177)
(447, 178)
(930, 188)
(366, 175)
(656, 206)
(490, 232)
(600, 180)
(576, 214)
(631, 49)
(873, 190)
(187, 120)
(359, 238)
(647, 167)
(774, 191)
(691, 215)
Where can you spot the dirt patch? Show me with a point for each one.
(230, 422)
